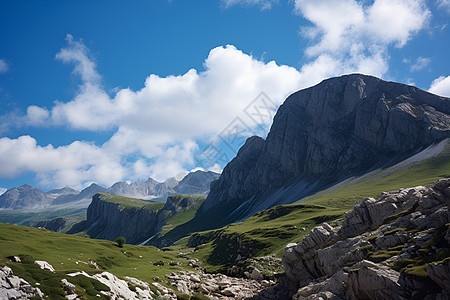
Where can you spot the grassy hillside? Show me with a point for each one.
(68, 253)
(271, 230)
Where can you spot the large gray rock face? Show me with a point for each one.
(341, 127)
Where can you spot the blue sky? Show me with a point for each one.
(104, 91)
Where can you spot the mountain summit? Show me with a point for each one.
(344, 126)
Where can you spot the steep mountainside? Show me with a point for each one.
(342, 127)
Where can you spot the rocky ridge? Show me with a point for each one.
(342, 127)
(392, 247)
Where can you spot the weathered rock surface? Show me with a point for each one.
(14, 287)
(218, 286)
(342, 127)
(386, 248)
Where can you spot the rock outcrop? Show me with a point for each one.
(218, 286)
(392, 247)
(14, 287)
(344, 126)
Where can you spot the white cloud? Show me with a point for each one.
(3, 66)
(71, 164)
(264, 4)
(444, 4)
(155, 129)
(2, 191)
(354, 37)
(441, 86)
(421, 63)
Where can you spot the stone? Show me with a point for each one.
(68, 287)
(256, 275)
(440, 273)
(372, 281)
(45, 265)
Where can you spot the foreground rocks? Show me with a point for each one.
(14, 287)
(393, 247)
(219, 286)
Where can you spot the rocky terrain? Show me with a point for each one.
(342, 127)
(14, 287)
(29, 197)
(392, 247)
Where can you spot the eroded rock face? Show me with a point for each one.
(341, 127)
(381, 251)
(14, 287)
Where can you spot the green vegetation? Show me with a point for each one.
(269, 231)
(183, 216)
(120, 241)
(68, 253)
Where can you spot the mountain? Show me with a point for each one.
(25, 196)
(197, 182)
(62, 192)
(28, 197)
(344, 126)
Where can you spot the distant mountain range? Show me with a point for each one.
(29, 197)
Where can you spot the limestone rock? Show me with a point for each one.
(45, 265)
(372, 281)
(14, 287)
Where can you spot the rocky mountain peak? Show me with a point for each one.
(344, 126)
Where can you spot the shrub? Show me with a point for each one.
(120, 241)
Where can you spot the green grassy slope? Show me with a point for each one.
(68, 253)
(271, 230)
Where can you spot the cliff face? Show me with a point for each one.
(393, 247)
(138, 225)
(108, 220)
(341, 127)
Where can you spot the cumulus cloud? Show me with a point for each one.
(421, 63)
(3, 66)
(264, 4)
(353, 36)
(155, 130)
(441, 86)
